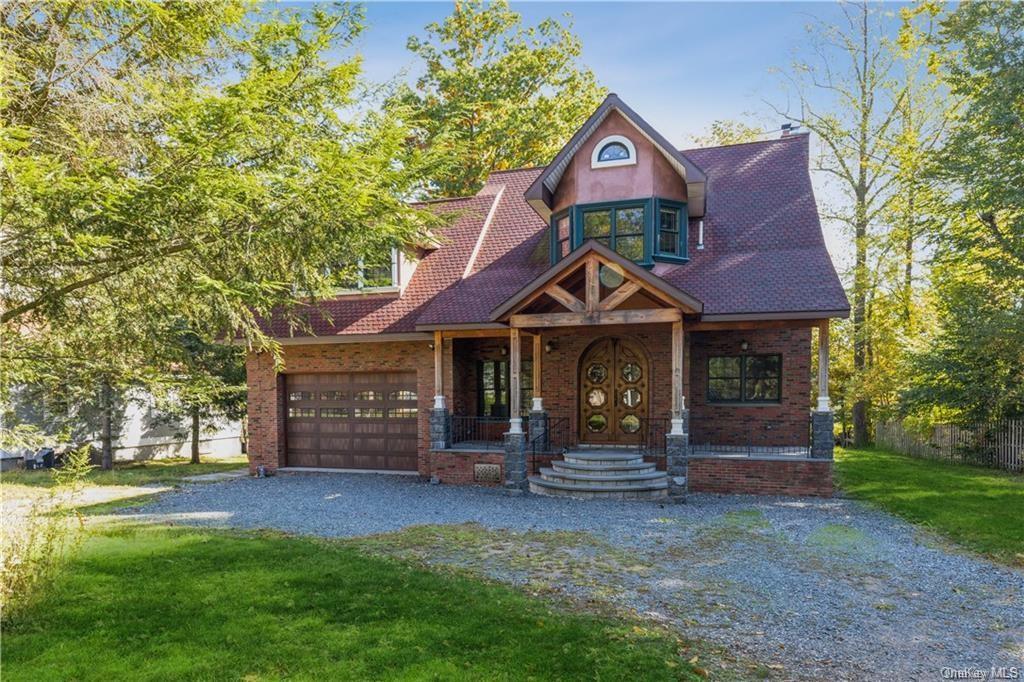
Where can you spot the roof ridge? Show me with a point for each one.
(773, 140)
(483, 232)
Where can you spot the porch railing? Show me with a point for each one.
(653, 432)
(745, 437)
(482, 433)
(552, 443)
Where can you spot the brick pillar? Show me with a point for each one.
(822, 438)
(440, 429)
(677, 453)
(515, 462)
(539, 436)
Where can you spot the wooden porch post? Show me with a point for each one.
(515, 353)
(438, 371)
(823, 401)
(538, 350)
(678, 401)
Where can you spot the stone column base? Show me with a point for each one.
(515, 462)
(822, 436)
(539, 437)
(677, 454)
(440, 429)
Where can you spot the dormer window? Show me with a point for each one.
(614, 150)
(643, 230)
(378, 272)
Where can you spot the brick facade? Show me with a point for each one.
(780, 424)
(777, 424)
(266, 388)
(458, 468)
(761, 476)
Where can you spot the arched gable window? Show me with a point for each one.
(614, 150)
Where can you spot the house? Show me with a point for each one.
(630, 320)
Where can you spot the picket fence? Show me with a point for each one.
(999, 444)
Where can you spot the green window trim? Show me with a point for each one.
(649, 233)
(744, 372)
(681, 252)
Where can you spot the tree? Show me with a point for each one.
(208, 149)
(856, 155)
(980, 56)
(207, 382)
(970, 366)
(202, 162)
(728, 131)
(495, 94)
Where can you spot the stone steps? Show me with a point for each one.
(571, 467)
(601, 473)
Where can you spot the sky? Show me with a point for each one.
(680, 65)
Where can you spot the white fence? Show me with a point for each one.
(999, 445)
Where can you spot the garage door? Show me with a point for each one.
(352, 420)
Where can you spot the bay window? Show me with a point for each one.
(641, 230)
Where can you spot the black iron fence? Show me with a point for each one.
(483, 433)
(749, 437)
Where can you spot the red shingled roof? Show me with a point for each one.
(764, 251)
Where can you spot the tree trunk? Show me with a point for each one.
(106, 430)
(860, 273)
(195, 435)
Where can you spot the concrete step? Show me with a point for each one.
(648, 490)
(602, 480)
(603, 457)
(624, 467)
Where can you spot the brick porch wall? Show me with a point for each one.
(457, 468)
(761, 476)
(266, 388)
(784, 423)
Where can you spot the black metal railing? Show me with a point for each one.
(749, 437)
(653, 431)
(484, 433)
(554, 439)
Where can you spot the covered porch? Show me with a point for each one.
(596, 355)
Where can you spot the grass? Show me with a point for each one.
(154, 603)
(157, 471)
(978, 508)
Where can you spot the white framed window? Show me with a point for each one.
(613, 150)
(371, 274)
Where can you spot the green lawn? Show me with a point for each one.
(164, 471)
(151, 603)
(981, 509)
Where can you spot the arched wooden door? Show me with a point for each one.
(614, 379)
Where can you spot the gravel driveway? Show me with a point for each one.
(816, 588)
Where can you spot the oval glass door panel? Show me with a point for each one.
(597, 423)
(597, 397)
(631, 397)
(631, 372)
(597, 373)
(630, 423)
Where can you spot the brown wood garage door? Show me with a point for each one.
(351, 420)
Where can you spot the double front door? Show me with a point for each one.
(614, 378)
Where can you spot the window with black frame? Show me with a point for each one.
(494, 396)
(745, 379)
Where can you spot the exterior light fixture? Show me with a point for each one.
(744, 345)
(549, 346)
